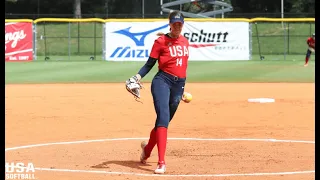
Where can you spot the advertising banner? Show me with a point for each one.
(209, 41)
(18, 41)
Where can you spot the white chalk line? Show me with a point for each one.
(168, 175)
(143, 138)
(177, 175)
(18, 52)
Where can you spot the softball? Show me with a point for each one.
(186, 97)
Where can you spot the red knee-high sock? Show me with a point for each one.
(307, 59)
(161, 142)
(151, 143)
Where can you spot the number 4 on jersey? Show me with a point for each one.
(179, 62)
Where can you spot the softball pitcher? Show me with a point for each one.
(171, 52)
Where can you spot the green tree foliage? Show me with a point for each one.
(132, 8)
(300, 6)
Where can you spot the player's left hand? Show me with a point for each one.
(133, 86)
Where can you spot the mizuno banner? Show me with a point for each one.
(209, 41)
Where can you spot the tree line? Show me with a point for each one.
(150, 8)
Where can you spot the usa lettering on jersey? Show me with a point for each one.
(178, 51)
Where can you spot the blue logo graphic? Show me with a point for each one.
(138, 38)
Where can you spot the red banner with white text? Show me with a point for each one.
(18, 41)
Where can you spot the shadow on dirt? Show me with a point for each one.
(131, 164)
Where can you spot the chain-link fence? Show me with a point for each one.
(69, 40)
(280, 38)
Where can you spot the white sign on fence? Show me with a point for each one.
(209, 41)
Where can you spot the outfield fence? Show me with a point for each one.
(107, 39)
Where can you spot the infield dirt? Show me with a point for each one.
(45, 113)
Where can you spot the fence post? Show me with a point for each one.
(103, 41)
(45, 41)
(285, 41)
(261, 57)
(310, 29)
(34, 29)
(78, 38)
(288, 42)
(69, 41)
(250, 40)
(94, 40)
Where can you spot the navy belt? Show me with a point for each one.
(173, 77)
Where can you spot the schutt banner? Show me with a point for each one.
(18, 41)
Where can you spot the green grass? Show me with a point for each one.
(272, 69)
